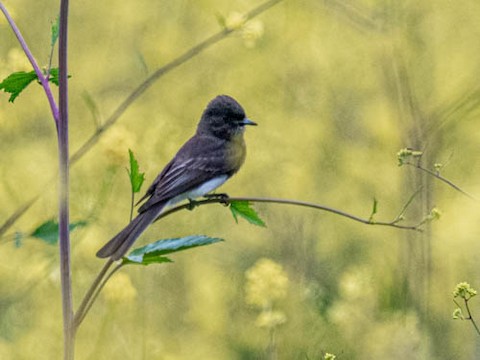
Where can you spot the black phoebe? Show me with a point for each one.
(203, 163)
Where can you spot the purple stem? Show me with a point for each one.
(43, 80)
(63, 155)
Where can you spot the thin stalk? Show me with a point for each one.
(228, 200)
(441, 178)
(80, 313)
(43, 80)
(80, 316)
(63, 218)
(470, 317)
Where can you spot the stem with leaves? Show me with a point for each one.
(43, 79)
(404, 157)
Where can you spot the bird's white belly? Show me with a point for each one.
(201, 190)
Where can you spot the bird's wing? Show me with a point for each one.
(187, 171)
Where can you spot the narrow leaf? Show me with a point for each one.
(244, 209)
(136, 177)
(48, 231)
(374, 209)
(54, 31)
(18, 239)
(93, 107)
(154, 253)
(54, 76)
(221, 20)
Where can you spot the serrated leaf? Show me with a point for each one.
(16, 82)
(48, 231)
(136, 177)
(147, 260)
(55, 31)
(53, 78)
(154, 253)
(244, 209)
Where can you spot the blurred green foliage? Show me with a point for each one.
(337, 87)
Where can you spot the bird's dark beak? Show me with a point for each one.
(247, 121)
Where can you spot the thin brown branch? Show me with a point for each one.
(228, 200)
(470, 317)
(441, 178)
(80, 313)
(95, 289)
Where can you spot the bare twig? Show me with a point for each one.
(470, 317)
(87, 299)
(441, 178)
(228, 200)
(401, 214)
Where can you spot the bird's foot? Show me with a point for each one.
(191, 204)
(222, 197)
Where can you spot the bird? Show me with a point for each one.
(209, 158)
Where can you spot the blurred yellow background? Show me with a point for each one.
(337, 88)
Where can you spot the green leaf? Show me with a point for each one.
(154, 253)
(374, 210)
(48, 231)
(16, 82)
(53, 78)
(243, 209)
(136, 177)
(18, 239)
(55, 31)
(221, 20)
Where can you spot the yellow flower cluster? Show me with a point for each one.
(250, 30)
(266, 282)
(115, 144)
(16, 61)
(120, 289)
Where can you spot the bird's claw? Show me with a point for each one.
(222, 197)
(191, 204)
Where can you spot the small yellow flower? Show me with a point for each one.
(435, 214)
(251, 32)
(329, 356)
(116, 143)
(464, 291)
(266, 282)
(235, 21)
(18, 61)
(270, 319)
(457, 314)
(120, 289)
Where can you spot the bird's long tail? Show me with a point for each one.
(120, 243)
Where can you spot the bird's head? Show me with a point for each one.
(224, 118)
